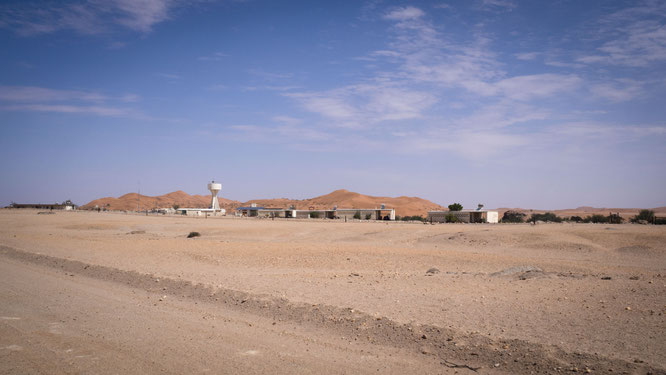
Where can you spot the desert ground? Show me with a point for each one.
(88, 292)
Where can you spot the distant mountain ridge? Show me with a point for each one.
(404, 206)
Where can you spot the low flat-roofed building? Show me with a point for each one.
(465, 216)
(66, 205)
(202, 211)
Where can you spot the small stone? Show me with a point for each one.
(628, 308)
(424, 337)
(496, 364)
(432, 271)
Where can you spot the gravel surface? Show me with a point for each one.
(507, 298)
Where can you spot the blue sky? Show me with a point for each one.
(507, 103)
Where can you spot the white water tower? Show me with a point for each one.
(214, 189)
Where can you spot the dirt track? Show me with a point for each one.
(356, 295)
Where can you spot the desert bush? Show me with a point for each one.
(368, 216)
(357, 215)
(194, 234)
(451, 218)
(513, 217)
(314, 215)
(455, 207)
(647, 215)
(597, 219)
(577, 219)
(547, 217)
(413, 218)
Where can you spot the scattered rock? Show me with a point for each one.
(137, 232)
(633, 278)
(354, 274)
(516, 270)
(432, 271)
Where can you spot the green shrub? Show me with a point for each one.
(314, 215)
(194, 234)
(455, 207)
(577, 219)
(513, 217)
(357, 215)
(547, 217)
(647, 215)
(451, 218)
(597, 219)
(368, 216)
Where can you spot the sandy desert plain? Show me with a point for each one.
(103, 293)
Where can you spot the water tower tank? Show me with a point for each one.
(214, 188)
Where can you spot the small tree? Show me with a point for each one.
(368, 216)
(513, 217)
(176, 206)
(455, 207)
(357, 215)
(314, 215)
(577, 219)
(647, 215)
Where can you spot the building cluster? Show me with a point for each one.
(335, 213)
(478, 215)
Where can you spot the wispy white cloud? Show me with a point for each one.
(271, 76)
(217, 56)
(366, 103)
(169, 76)
(404, 14)
(527, 56)
(64, 108)
(40, 99)
(634, 36)
(85, 17)
(617, 90)
(41, 94)
(497, 4)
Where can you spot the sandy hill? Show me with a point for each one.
(404, 206)
(129, 201)
(342, 198)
